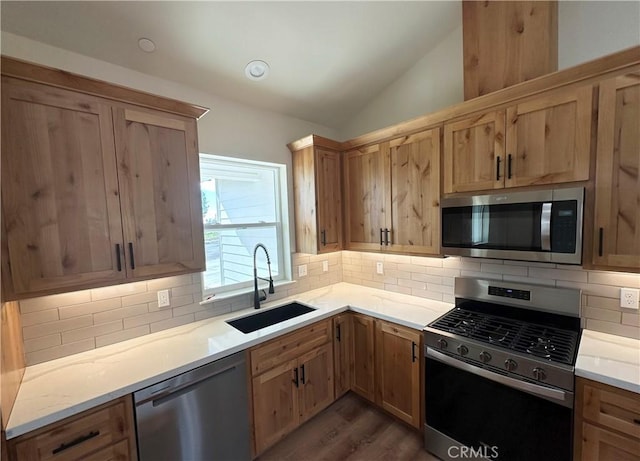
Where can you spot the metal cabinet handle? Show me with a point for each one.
(295, 379)
(509, 167)
(118, 259)
(338, 332)
(73, 443)
(323, 237)
(302, 374)
(381, 240)
(600, 241)
(131, 259)
(386, 236)
(498, 168)
(413, 351)
(636, 421)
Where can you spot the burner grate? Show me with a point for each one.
(554, 344)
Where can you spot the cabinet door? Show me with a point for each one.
(342, 354)
(275, 404)
(363, 378)
(617, 214)
(474, 153)
(415, 193)
(158, 173)
(398, 371)
(315, 369)
(601, 445)
(549, 138)
(329, 201)
(367, 196)
(61, 212)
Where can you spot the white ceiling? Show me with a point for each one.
(328, 59)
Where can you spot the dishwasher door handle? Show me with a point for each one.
(176, 392)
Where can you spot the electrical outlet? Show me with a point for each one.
(163, 298)
(325, 266)
(379, 268)
(302, 270)
(629, 298)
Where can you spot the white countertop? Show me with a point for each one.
(609, 359)
(60, 388)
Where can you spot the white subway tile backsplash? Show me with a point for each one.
(60, 325)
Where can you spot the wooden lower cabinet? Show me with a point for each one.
(398, 371)
(103, 433)
(342, 353)
(363, 377)
(607, 424)
(298, 384)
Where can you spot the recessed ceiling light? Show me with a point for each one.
(257, 70)
(146, 45)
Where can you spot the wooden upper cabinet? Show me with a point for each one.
(61, 210)
(94, 192)
(542, 140)
(549, 138)
(392, 195)
(415, 193)
(474, 153)
(367, 196)
(317, 195)
(617, 191)
(158, 172)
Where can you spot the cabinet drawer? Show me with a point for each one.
(601, 445)
(79, 436)
(613, 408)
(288, 347)
(116, 452)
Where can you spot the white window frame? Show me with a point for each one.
(281, 226)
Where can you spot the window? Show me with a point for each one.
(242, 205)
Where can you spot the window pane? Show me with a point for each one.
(229, 255)
(238, 194)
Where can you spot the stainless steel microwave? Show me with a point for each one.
(543, 226)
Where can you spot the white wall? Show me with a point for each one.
(589, 30)
(434, 82)
(586, 30)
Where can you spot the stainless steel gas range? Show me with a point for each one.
(499, 374)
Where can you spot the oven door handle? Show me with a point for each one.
(541, 391)
(545, 227)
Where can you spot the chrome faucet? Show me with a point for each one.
(256, 297)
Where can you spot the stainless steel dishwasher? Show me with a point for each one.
(201, 415)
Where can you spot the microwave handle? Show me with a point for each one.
(545, 227)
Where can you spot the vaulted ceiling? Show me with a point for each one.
(327, 59)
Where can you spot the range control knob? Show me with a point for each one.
(539, 374)
(442, 343)
(462, 349)
(485, 357)
(510, 364)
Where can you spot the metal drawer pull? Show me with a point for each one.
(133, 264)
(295, 379)
(413, 351)
(118, 260)
(302, 373)
(73, 443)
(338, 333)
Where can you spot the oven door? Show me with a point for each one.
(471, 415)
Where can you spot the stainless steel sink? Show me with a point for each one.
(269, 317)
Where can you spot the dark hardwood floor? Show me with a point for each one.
(350, 429)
